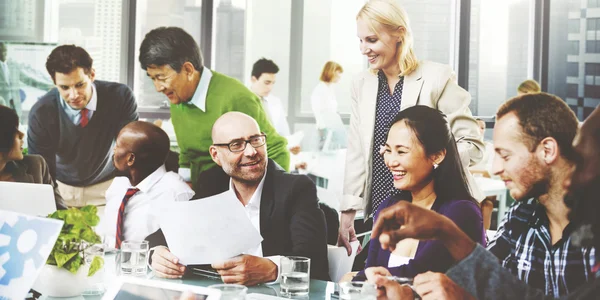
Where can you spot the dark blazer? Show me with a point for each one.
(291, 222)
(33, 169)
(431, 255)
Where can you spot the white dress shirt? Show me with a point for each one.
(199, 100)
(324, 106)
(143, 209)
(277, 115)
(253, 212)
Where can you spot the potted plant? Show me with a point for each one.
(67, 269)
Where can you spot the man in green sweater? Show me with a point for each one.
(199, 96)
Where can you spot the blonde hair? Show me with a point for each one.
(329, 71)
(529, 86)
(389, 15)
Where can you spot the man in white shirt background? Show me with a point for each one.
(282, 207)
(264, 76)
(133, 201)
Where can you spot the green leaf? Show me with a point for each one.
(90, 236)
(62, 258)
(74, 264)
(97, 264)
(90, 209)
(51, 260)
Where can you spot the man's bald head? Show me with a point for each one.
(148, 143)
(233, 125)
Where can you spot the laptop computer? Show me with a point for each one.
(27, 198)
(25, 244)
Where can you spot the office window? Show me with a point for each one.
(593, 3)
(268, 35)
(572, 69)
(562, 66)
(572, 90)
(329, 33)
(500, 51)
(573, 47)
(574, 26)
(151, 14)
(593, 36)
(95, 26)
(229, 38)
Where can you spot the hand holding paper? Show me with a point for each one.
(208, 230)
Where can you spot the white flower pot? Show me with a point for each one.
(55, 282)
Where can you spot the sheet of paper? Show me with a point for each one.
(208, 230)
(339, 261)
(295, 139)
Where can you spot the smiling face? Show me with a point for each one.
(75, 87)
(247, 166)
(381, 50)
(406, 158)
(523, 171)
(178, 87)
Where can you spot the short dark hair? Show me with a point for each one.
(151, 148)
(543, 115)
(433, 132)
(66, 58)
(169, 46)
(264, 65)
(9, 123)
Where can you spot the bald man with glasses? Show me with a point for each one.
(282, 207)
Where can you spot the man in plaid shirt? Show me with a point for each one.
(534, 156)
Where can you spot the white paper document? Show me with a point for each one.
(339, 261)
(208, 230)
(295, 139)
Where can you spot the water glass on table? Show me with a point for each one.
(230, 291)
(131, 258)
(295, 276)
(96, 281)
(358, 291)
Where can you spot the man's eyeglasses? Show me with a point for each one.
(240, 144)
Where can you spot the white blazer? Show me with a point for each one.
(431, 84)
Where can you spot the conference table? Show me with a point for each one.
(318, 289)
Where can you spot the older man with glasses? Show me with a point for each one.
(282, 207)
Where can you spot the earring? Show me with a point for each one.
(435, 166)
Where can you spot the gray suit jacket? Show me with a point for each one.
(33, 169)
(482, 275)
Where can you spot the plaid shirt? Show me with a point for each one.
(524, 246)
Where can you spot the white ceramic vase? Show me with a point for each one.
(58, 282)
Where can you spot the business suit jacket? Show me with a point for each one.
(431, 84)
(33, 169)
(291, 222)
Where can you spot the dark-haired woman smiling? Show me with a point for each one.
(16, 167)
(421, 153)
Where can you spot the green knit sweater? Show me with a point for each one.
(193, 126)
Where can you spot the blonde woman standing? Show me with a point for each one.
(396, 80)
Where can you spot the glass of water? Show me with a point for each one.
(96, 281)
(230, 291)
(295, 278)
(131, 258)
(358, 291)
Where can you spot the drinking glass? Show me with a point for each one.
(96, 282)
(295, 278)
(131, 258)
(358, 291)
(230, 291)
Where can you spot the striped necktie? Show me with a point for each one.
(120, 218)
(84, 117)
